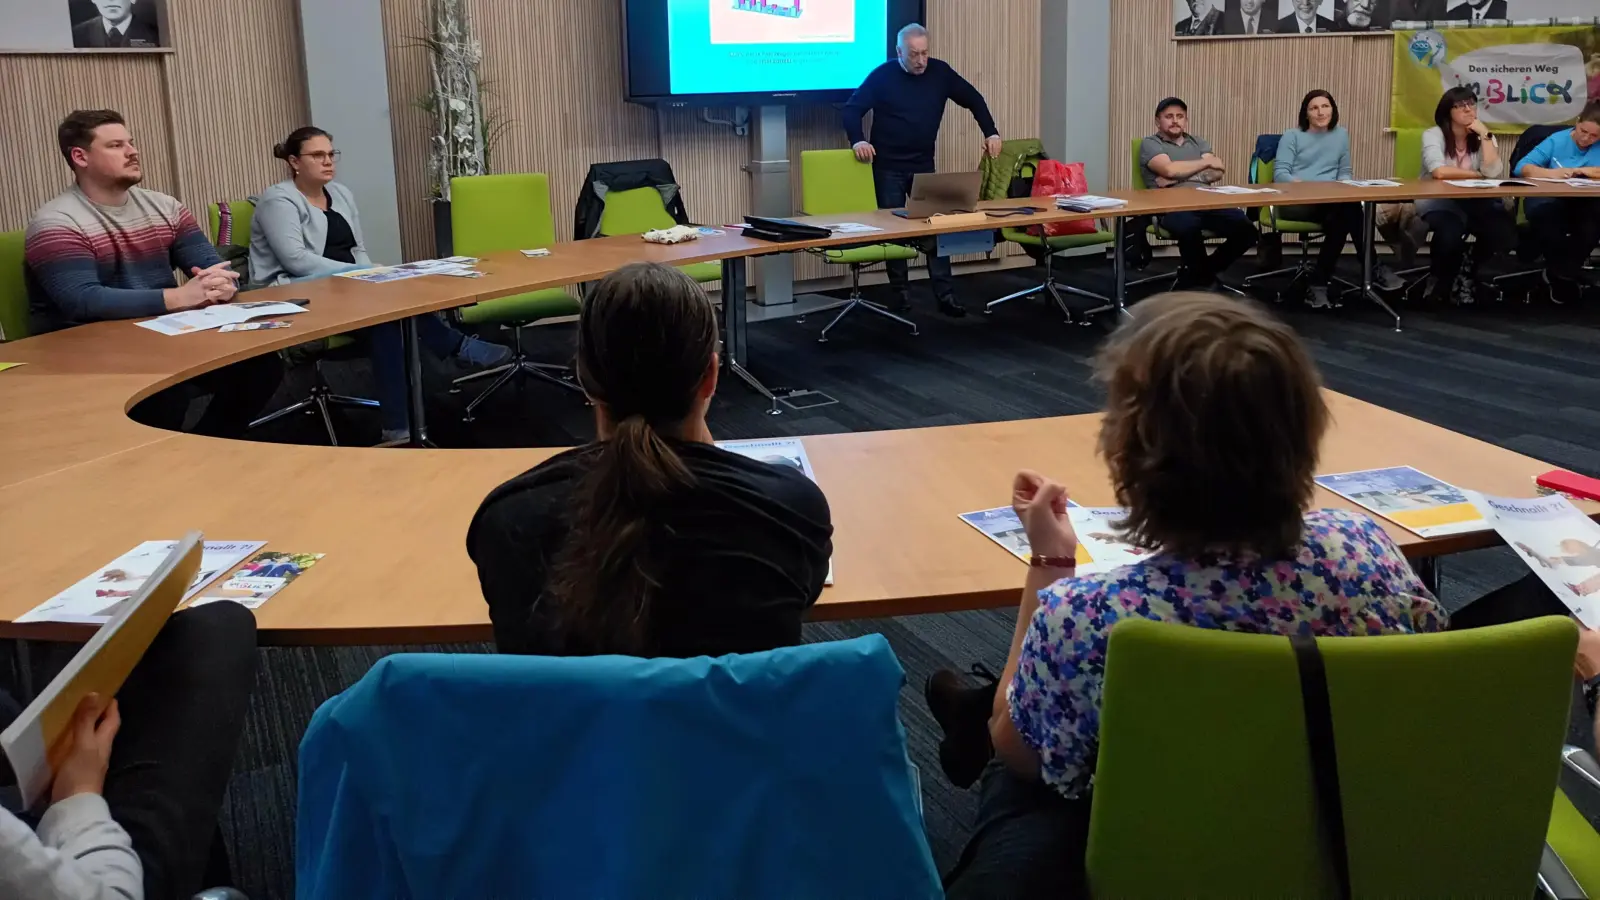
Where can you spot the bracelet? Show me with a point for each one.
(1040, 561)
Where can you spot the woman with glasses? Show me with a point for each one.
(308, 227)
(1459, 147)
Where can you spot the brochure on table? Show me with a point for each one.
(1409, 498)
(33, 743)
(778, 452)
(456, 266)
(209, 317)
(1557, 541)
(105, 594)
(1101, 547)
(258, 580)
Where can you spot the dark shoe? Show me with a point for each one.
(963, 713)
(951, 308)
(1317, 297)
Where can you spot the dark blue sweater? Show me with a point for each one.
(907, 109)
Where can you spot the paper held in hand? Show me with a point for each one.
(34, 743)
(1411, 499)
(221, 314)
(778, 452)
(1101, 547)
(1557, 541)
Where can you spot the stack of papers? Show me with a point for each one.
(1087, 202)
(1101, 547)
(455, 266)
(1487, 183)
(1235, 189)
(1411, 499)
(1370, 182)
(96, 599)
(1558, 542)
(1571, 182)
(851, 228)
(208, 317)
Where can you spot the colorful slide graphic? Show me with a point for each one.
(723, 46)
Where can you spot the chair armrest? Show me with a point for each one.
(1555, 879)
(1583, 765)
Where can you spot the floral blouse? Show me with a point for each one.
(1349, 578)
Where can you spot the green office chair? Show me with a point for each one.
(13, 287)
(494, 214)
(834, 182)
(1155, 230)
(1420, 819)
(639, 210)
(228, 225)
(1044, 249)
(1267, 218)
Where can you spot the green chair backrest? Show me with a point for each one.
(1261, 170)
(1136, 178)
(495, 213)
(834, 181)
(635, 212)
(13, 287)
(241, 213)
(1448, 750)
(1408, 153)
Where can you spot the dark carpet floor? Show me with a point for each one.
(1521, 376)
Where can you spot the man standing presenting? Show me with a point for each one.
(906, 97)
(1172, 157)
(106, 249)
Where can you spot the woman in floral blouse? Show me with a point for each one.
(1214, 416)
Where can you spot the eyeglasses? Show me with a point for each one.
(322, 156)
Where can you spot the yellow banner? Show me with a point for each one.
(1522, 75)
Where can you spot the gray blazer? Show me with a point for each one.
(1433, 157)
(288, 234)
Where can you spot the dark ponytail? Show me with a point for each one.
(646, 338)
(297, 138)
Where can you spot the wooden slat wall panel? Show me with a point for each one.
(205, 116)
(1237, 89)
(231, 104)
(555, 71)
(41, 90)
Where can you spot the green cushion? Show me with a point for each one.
(634, 212)
(1059, 242)
(13, 288)
(521, 309)
(834, 182)
(1290, 226)
(243, 213)
(862, 256)
(703, 272)
(1408, 153)
(1575, 841)
(497, 213)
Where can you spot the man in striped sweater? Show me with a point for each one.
(106, 249)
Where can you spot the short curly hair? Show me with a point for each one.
(1214, 416)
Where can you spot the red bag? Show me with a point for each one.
(1052, 178)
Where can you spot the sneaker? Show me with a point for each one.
(1461, 291)
(963, 714)
(482, 354)
(1317, 297)
(950, 307)
(395, 437)
(1386, 279)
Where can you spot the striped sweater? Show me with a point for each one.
(87, 262)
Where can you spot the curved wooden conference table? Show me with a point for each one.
(81, 483)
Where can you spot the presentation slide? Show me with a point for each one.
(723, 46)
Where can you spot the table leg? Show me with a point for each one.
(1429, 570)
(1369, 227)
(736, 332)
(414, 387)
(1119, 262)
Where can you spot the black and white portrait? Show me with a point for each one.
(1198, 18)
(101, 24)
(1304, 17)
(1363, 15)
(1477, 10)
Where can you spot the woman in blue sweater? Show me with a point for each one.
(1319, 150)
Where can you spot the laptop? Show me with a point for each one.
(936, 195)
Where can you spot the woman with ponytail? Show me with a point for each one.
(650, 541)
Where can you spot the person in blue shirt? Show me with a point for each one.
(1567, 228)
(906, 97)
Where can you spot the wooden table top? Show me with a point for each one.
(80, 483)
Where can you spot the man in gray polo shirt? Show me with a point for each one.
(1172, 157)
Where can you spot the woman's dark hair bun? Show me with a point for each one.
(279, 151)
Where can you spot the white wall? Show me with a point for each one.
(1074, 100)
